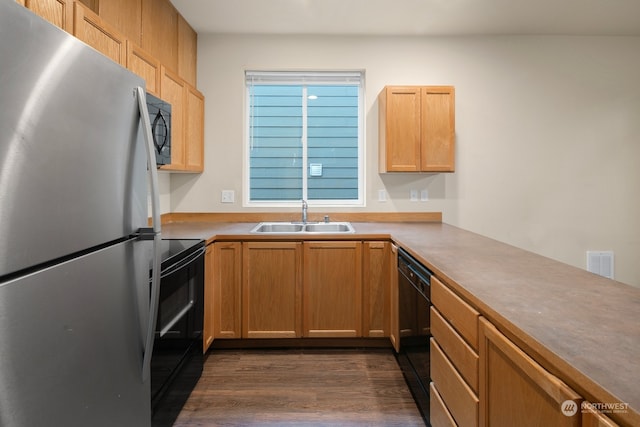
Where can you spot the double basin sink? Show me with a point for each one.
(303, 228)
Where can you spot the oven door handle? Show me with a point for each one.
(183, 262)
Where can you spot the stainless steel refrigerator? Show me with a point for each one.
(76, 307)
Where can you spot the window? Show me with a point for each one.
(305, 138)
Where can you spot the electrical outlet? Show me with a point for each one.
(228, 196)
(413, 195)
(382, 196)
(424, 195)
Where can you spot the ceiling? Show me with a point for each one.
(414, 17)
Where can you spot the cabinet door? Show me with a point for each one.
(332, 289)
(125, 15)
(160, 31)
(91, 29)
(438, 129)
(394, 321)
(58, 12)
(227, 302)
(172, 90)
(400, 135)
(209, 279)
(187, 51)
(272, 290)
(144, 65)
(592, 418)
(194, 130)
(517, 391)
(375, 289)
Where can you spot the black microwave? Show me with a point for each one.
(160, 118)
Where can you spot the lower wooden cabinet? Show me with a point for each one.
(439, 415)
(272, 290)
(592, 418)
(459, 398)
(394, 310)
(332, 289)
(376, 265)
(515, 390)
(227, 289)
(209, 279)
(267, 289)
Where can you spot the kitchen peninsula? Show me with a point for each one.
(577, 326)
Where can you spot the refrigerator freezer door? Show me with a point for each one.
(72, 159)
(71, 342)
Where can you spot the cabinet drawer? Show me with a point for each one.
(439, 415)
(593, 418)
(460, 315)
(461, 355)
(456, 394)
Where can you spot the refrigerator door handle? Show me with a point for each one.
(155, 215)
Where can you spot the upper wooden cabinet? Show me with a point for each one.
(187, 51)
(160, 31)
(187, 123)
(145, 65)
(416, 129)
(172, 90)
(125, 15)
(94, 31)
(58, 12)
(194, 130)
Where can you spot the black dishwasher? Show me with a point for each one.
(414, 292)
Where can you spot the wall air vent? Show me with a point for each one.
(600, 262)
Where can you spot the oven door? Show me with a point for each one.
(178, 345)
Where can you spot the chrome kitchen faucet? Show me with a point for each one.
(304, 211)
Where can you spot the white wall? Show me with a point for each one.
(547, 132)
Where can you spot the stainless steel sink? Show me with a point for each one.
(277, 227)
(300, 228)
(329, 227)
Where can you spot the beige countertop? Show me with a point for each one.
(581, 327)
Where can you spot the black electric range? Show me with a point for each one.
(177, 359)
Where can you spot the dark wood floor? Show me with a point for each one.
(300, 387)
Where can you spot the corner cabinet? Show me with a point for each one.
(416, 129)
(480, 377)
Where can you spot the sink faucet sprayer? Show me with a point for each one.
(304, 211)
